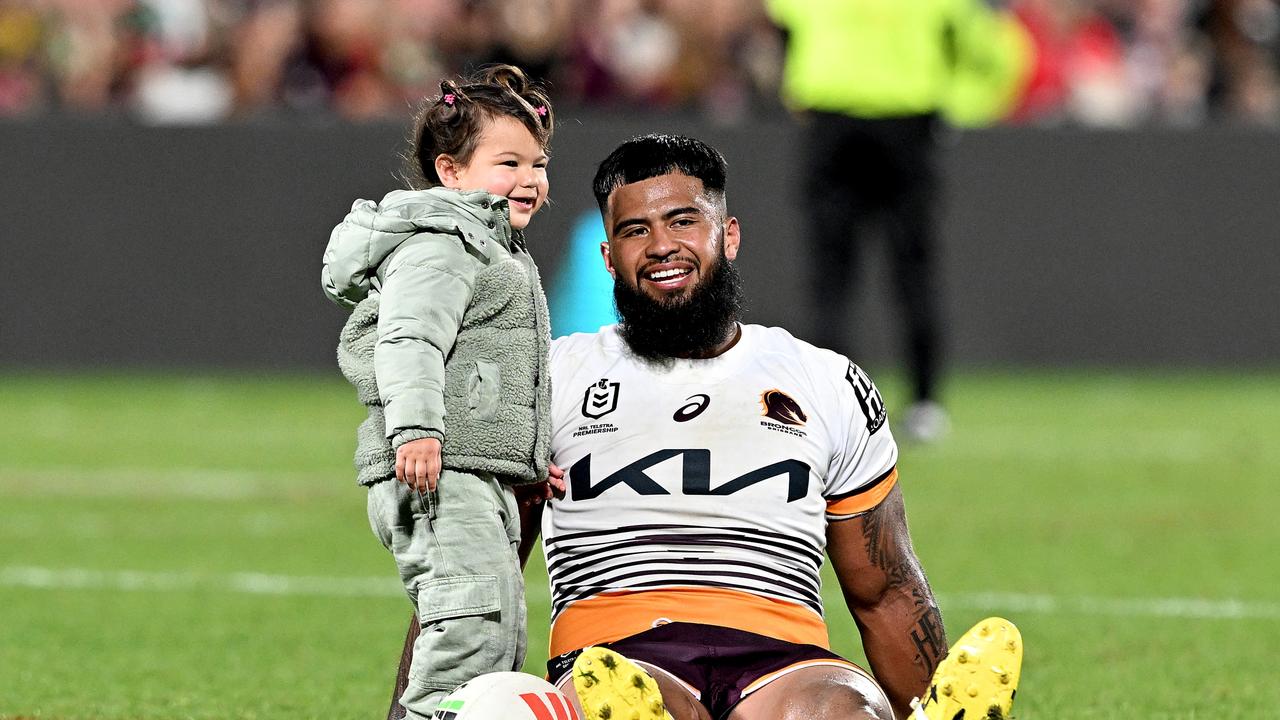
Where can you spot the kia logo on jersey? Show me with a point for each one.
(695, 471)
(600, 399)
(779, 406)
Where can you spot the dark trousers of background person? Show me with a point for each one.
(862, 172)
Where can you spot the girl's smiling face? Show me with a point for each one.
(507, 161)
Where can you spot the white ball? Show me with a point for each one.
(505, 696)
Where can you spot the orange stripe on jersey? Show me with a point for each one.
(865, 497)
(613, 616)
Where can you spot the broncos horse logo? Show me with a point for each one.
(781, 407)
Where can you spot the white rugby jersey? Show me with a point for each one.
(699, 491)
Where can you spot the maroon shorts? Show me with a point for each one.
(718, 663)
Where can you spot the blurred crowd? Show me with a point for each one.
(1095, 62)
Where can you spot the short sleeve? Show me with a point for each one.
(864, 460)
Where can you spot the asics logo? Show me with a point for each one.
(691, 410)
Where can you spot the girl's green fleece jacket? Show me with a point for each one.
(449, 333)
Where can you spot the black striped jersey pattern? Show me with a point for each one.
(647, 557)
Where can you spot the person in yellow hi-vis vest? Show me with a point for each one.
(871, 79)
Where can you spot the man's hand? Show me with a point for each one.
(555, 478)
(418, 464)
(537, 493)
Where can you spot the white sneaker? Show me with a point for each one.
(925, 421)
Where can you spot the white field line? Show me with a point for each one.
(182, 482)
(267, 584)
(1182, 608)
(250, 583)
(247, 583)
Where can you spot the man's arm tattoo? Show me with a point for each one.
(883, 532)
(928, 635)
(878, 529)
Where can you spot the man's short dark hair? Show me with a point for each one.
(651, 156)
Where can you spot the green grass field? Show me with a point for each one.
(176, 547)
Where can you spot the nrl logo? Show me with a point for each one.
(600, 399)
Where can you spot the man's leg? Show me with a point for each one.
(835, 199)
(823, 692)
(396, 711)
(911, 231)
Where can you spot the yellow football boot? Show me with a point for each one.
(611, 687)
(978, 678)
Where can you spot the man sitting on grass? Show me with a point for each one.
(708, 466)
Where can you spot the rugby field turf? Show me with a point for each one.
(195, 547)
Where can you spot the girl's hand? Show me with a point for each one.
(418, 464)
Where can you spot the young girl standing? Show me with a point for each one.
(447, 346)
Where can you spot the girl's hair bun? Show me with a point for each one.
(508, 76)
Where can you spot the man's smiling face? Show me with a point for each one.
(666, 235)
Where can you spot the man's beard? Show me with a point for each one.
(689, 325)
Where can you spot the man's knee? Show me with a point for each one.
(817, 693)
(841, 701)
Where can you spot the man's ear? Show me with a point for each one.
(448, 169)
(732, 237)
(608, 261)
